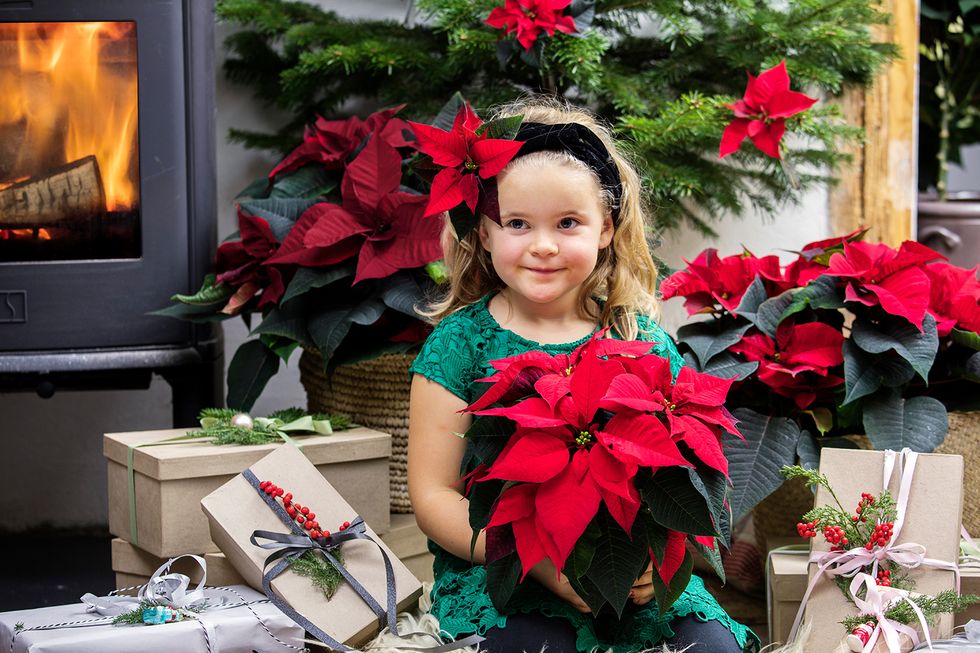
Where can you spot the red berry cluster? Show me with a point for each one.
(807, 529)
(302, 515)
(866, 500)
(884, 577)
(881, 535)
(835, 535)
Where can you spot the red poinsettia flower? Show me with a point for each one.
(797, 364)
(379, 224)
(954, 297)
(709, 280)
(239, 264)
(330, 142)
(881, 275)
(813, 258)
(761, 114)
(465, 154)
(529, 17)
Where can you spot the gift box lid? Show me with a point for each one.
(197, 458)
(788, 574)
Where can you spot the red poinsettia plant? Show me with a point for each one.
(850, 337)
(603, 462)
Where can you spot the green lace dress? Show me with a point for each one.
(455, 355)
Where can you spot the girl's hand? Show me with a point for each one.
(544, 573)
(642, 591)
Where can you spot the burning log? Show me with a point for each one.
(71, 192)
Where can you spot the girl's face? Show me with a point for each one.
(552, 228)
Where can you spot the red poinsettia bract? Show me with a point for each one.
(761, 114)
(465, 154)
(592, 420)
(330, 142)
(881, 275)
(379, 224)
(797, 363)
(239, 264)
(709, 280)
(529, 17)
(954, 297)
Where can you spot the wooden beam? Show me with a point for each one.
(879, 189)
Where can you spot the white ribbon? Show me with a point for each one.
(851, 562)
(877, 601)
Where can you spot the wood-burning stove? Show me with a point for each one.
(107, 194)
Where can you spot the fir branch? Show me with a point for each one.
(943, 603)
(323, 575)
(134, 616)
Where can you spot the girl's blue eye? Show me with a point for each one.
(516, 223)
(567, 223)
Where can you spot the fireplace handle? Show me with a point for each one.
(951, 240)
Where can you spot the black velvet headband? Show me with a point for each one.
(582, 143)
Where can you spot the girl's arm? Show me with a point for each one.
(435, 452)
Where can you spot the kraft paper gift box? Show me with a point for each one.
(169, 481)
(133, 566)
(236, 510)
(230, 630)
(932, 520)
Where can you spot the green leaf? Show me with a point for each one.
(258, 189)
(966, 338)
(482, 497)
(287, 322)
(328, 328)
(503, 128)
(712, 485)
(310, 181)
(580, 559)
(726, 365)
(972, 366)
(893, 422)
(193, 313)
(753, 298)
(676, 504)
(280, 212)
(808, 451)
(864, 373)
(667, 596)
(503, 576)
(823, 418)
(402, 292)
(710, 338)
(248, 373)
(208, 295)
(753, 465)
(307, 279)
(616, 563)
(917, 347)
(819, 293)
(437, 271)
(283, 347)
(711, 556)
(966, 6)
(447, 114)
(463, 220)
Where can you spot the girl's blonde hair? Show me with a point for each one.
(625, 275)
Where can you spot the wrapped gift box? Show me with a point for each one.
(133, 566)
(232, 630)
(931, 520)
(236, 510)
(170, 480)
(409, 543)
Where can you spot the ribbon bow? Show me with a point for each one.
(878, 600)
(909, 555)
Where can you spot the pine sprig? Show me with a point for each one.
(324, 577)
(218, 426)
(134, 616)
(943, 603)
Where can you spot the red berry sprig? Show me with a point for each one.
(884, 578)
(835, 535)
(807, 529)
(302, 515)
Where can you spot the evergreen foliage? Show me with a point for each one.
(659, 71)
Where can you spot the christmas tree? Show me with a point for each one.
(662, 72)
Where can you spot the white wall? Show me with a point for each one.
(53, 468)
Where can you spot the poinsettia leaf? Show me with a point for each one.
(675, 503)
(770, 312)
(463, 220)
(754, 464)
(864, 373)
(580, 559)
(501, 128)
(894, 422)
(972, 367)
(667, 595)
(711, 556)
(283, 347)
(402, 292)
(821, 293)
(258, 189)
(208, 295)
(808, 451)
(712, 485)
(489, 435)
(482, 498)
(616, 563)
(310, 181)
(505, 51)
(532, 56)
(966, 338)
(583, 12)
(329, 327)
(248, 373)
(198, 314)
(286, 321)
(917, 347)
(589, 592)
(503, 576)
(447, 114)
(307, 279)
(728, 366)
(710, 338)
(754, 295)
(280, 212)
(823, 418)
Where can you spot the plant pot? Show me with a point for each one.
(776, 516)
(374, 393)
(963, 438)
(952, 227)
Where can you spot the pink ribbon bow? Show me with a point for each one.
(878, 600)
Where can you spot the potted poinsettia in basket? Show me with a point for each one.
(850, 338)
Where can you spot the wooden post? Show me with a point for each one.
(879, 189)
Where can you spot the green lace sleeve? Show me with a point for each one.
(448, 356)
(663, 344)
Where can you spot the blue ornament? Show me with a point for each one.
(161, 614)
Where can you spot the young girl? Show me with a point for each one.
(568, 257)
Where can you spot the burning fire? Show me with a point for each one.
(74, 94)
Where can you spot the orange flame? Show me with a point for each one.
(76, 93)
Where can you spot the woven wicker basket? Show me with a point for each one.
(374, 393)
(964, 439)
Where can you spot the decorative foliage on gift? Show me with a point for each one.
(602, 462)
(165, 615)
(886, 571)
(255, 530)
